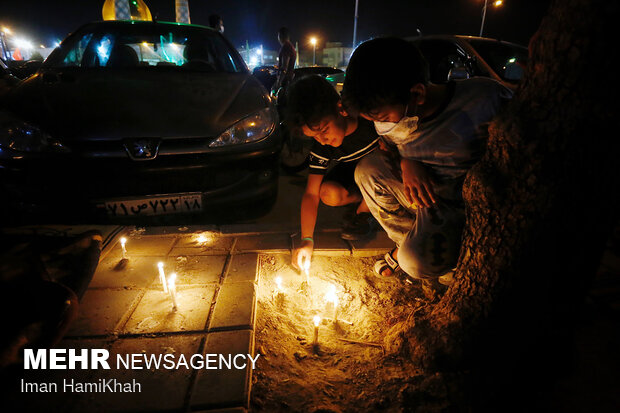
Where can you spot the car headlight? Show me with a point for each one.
(249, 129)
(23, 137)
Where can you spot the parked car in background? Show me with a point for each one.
(324, 71)
(458, 57)
(24, 68)
(128, 119)
(336, 80)
(266, 75)
(7, 79)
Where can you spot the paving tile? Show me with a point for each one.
(177, 229)
(155, 314)
(196, 269)
(161, 389)
(256, 228)
(243, 267)
(279, 242)
(101, 310)
(144, 246)
(113, 272)
(205, 241)
(379, 244)
(234, 308)
(225, 387)
(327, 243)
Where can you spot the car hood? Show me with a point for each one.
(111, 106)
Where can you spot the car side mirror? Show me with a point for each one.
(458, 73)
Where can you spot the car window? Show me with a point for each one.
(507, 60)
(75, 54)
(442, 56)
(149, 46)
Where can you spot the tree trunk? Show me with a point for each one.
(540, 206)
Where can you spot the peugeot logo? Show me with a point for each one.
(142, 149)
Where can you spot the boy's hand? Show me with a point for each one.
(418, 184)
(302, 254)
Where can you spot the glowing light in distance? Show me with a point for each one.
(23, 44)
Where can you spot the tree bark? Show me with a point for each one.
(540, 206)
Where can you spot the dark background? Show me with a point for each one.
(47, 21)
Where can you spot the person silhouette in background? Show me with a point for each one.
(216, 22)
(286, 60)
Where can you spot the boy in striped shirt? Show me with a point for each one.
(340, 142)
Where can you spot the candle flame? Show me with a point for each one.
(171, 280)
(317, 320)
(331, 295)
(279, 282)
(202, 238)
(123, 241)
(160, 265)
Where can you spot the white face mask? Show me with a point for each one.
(399, 132)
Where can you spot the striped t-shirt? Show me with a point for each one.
(354, 147)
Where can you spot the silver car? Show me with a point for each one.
(458, 57)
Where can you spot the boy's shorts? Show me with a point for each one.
(343, 173)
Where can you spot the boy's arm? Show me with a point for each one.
(417, 183)
(309, 206)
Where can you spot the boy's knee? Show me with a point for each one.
(420, 261)
(330, 195)
(366, 170)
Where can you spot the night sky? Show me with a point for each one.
(45, 21)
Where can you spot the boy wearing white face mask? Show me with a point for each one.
(437, 132)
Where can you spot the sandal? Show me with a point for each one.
(388, 263)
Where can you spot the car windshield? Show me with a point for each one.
(507, 60)
(153, 46)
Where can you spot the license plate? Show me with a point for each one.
(155, 205)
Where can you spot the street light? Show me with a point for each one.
(496, 3)
(313, 43)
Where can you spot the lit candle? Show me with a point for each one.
(307, 270)
(172, 289)
(279, 284)
(317, 321)
(332, 297)
(202, 238)
(162, 276)
(123, 249)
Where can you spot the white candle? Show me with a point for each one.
(279, 284)
(173, 289)
(332, 297)
(123, 249)
(307, 270)
(162, 276)
(317, 321)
